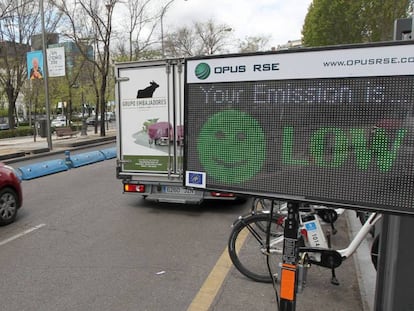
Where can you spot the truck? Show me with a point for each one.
(149, 98)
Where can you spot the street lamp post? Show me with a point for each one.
(46, 77)
(164, 10)
(162, 26)
(84, 126)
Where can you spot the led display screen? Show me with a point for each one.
(340, 131)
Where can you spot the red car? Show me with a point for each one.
(11, 196)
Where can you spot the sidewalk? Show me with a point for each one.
(27, 146)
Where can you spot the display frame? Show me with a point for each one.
(367, 103)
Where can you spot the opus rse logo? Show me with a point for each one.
(202, 71)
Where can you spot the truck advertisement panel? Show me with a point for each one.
(331, 126)
(146, 128)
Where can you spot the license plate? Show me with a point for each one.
(177, 190)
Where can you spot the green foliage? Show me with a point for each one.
(332, 22)
(4, 112)
(379, 17)
(20, 131)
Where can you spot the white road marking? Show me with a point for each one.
(14, 237)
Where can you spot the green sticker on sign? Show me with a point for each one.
(232, 146)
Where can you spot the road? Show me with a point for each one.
(80, 244)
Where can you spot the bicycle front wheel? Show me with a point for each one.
(249, 251)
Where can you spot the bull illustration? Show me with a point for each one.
(148, 91)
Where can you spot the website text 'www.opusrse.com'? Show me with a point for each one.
(369, 61)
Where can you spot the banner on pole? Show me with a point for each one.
(56, 62)
(35, 65)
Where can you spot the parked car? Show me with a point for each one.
(11, 196)
(59, 121)
(110, 116)
(4, 126)
(4, 123)
(92, 119)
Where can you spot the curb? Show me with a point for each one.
(60, 148)
(19, 154)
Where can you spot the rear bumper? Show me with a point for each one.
(182, 195)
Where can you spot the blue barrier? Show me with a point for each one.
(109, 153)
(86, 158)
(55, 166)
(43, 168)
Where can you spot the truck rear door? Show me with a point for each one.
(151, 114)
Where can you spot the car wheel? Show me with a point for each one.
(8, 206)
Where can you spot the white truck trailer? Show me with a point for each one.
(150, 132)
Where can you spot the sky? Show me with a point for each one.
(281, 20)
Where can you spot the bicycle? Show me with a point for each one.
(328, 215)
(254, 258)
(263, 204)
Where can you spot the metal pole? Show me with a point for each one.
(46, 74)
(84, 126)
(162, 26)
(288, 279)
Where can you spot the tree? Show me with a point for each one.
(331, 22)
(199, 39)
(140, 26)
(18, 24)
(379, 17)
(182, 43)
(90, 22)
(214, 37)
(253, 44)
(6, 8)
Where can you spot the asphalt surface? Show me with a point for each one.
(357, 277)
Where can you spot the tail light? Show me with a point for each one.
(222, 194)
(134, 188)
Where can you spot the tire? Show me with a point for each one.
(248, 250)
(8, 206)
(262, 205)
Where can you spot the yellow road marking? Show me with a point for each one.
(208, 291)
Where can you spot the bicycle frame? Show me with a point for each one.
(313, 245)
(316, 248)
(360, 236)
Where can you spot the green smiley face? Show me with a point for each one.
(231, 146)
